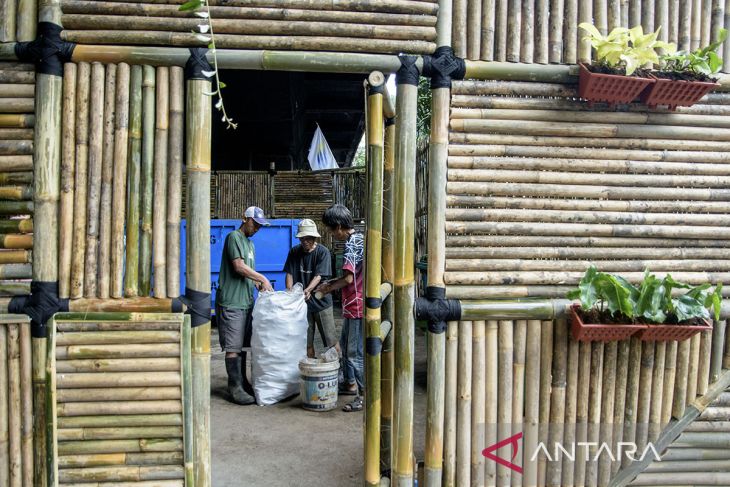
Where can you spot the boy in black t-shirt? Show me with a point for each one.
(309, 264)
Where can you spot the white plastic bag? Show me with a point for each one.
(278, 342)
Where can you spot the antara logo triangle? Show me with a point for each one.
(514, 441)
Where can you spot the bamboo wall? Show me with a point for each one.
(531, 377)
(545, 31)
(540, 187)
(700, 454)
(18, 20)
(374, 26)
(122, 158)
(120, 399)
(16, 402)
(17, 86)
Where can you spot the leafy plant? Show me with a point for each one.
(704, 61)
(201, 8)
(625, 48)
(651, 301)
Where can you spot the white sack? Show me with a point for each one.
(278, 342)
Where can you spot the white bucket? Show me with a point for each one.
(318, 384)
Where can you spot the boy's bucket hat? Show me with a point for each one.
(307, 228)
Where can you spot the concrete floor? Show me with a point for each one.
(285, 445)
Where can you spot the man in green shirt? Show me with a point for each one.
(234, 298)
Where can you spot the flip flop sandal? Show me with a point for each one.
(354, 406)
(346, 391)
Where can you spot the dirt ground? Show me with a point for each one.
(284, 445)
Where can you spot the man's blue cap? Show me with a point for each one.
(257, 214)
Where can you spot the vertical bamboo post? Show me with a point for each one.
(27, 20)
(570, 40)
(7, 21)
(159, 214)
(81, 176)
(718, 342)
(119, 190)
(703, 371)
(491, 396)
(634, 13)
(474, 29)
(532, 398)
(632, 395)
(187, 396)
(542, 31)
(557, 399)
(514, 28)
(518, 391)
(488, 30)
(647, 16)
(500, 30)
(46, 186)
(174, 181)
(673, 21)
(706, 22)
(670, 374)
(438, 153)
(405, 185)
(451, 378)
(505, 356)
(661, 21)
(718, 18)
(546, 361)
(685, 25)
(594, 412)
(13, 411)
(643, 409)
(608, 394)
(96, 142)
(726, 45)
(527, 44)
(373, 250)
(459, 27)
(478, 410)
(107, 182)
(134, 158)
(581, 414)
(680, 386)
(26, 404)
(444, 23)
(386, 383)
(585, 14)
(696, 32)
(619, 407)
(694, 367)
(556, 31)
(463, 405)
(4, 453)
(657, 390)
(146, 176)
(198, 131)
(68, 169)
(600, 16)
(614, 14)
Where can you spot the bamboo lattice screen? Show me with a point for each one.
(18, 20)
(540, 187)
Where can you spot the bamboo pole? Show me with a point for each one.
(451, 378)
(527, 36)
(474, 28)
(16, 121)
(146, 180)
(696, 32)
(657, 391)
(4, 452)
(174, 182)
(500, 30)
(594, 412)
(134, 160)
(488, 30)
(514, 26)
(119, 446)
(685, 25)
(8, 26)
(608, 398)
(405, 151)
(717, 19)
(670, 375)
(119, 190)
(107, 182)
(373, 277)
(570, 41)
(694, 368)
(68, 169)
(154, 419)
(26, 21)
(198, 130)
(673, 21)
(681, 383)
(619, 406)
(726, 45)
(187, 393)
(159, 214)
(585, 14)
(13, 411)
(703, 372)
(16, 163)
(643, 411)
(556, 31)
(459, 27)
(647, 16)
(96, 142)
(634, 13)
(600, 16)
(505, 357)
(532, 397)
(491, 396)
(438, 148)
(581, 416)
(464, 405)
(546, 358)
(518, 390)
(542, 31)
(705, 23)
(718, 342)
(120, 394)
(614, 14)
(13, 241)
(557, 399)
(81, 181)
(478, 395)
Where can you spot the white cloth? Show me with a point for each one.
(278, 343)
(320, 155)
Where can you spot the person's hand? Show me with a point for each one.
(266, 285)
(307, 294)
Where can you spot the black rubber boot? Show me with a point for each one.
(246, 384)
(235, 382)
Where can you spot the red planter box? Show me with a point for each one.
(599, 333)
(675, 94)
(609, 88)
(664, 332)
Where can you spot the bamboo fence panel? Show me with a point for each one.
(529, 201)
(18, 20)
(126, 418)
(17, 90)
(100, 149)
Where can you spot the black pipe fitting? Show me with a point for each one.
(443, 67)
(42, 303)
(436, 309)
(48, 52)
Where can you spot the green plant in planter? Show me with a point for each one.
(704, 61)
(626, 49)
(649, 302)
